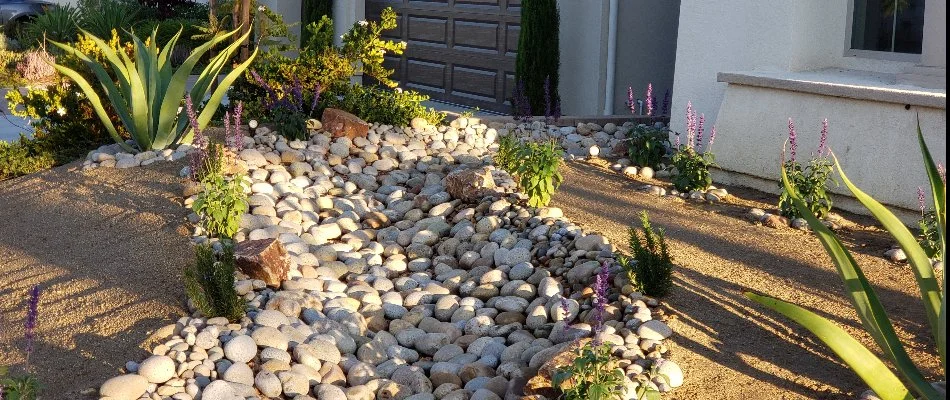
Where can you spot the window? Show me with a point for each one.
(887, 26)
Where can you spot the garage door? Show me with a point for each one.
(459, 51)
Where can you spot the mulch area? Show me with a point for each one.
(729, 346)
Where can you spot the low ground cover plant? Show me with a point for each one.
(909, 382)
(209, 283)
(810, 180)
(692, 160)
(650, 268)
(537, 172)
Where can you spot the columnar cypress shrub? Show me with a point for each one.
(651, 268)
(209, 283)
(312, 11)
(538, 54)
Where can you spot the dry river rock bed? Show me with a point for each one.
(414, 271)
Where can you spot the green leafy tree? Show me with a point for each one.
(538, 54)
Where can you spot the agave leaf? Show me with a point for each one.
(861, 360)
(177, 83)
(96, 104)
(115, 95)
(862, 296)
(920, 263)
(212, 105)
(939, 191)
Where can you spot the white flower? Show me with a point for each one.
(363, 23)
(398, 89)
(261, 8)
(61, 111)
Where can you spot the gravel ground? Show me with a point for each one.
(106, 246)
(729, 347)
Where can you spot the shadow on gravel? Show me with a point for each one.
(107, 247)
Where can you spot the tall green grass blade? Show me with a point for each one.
(861, 360)
(919, 262)
(939, 192)
(862, 296)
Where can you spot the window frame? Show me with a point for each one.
(872, 54)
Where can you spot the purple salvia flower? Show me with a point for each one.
(823, 140)
(942, 172)
(921, 199)
(565, 307)
(235, 139)
(792, 139)
(30, 325)
(667, 101)
(649, 99)
(601, 287)
(630, 102)
(690, 124)
(700, 130)
(712, 137)
(557, 109)
(677, 144)
(271, 94)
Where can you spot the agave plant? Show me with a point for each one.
(149, 93)
(909, 382)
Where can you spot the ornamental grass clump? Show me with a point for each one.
(909, 382)
(537, 172)
(209, 283)
(693, 159)
(146, 92)
(651, 267)
(810, 180)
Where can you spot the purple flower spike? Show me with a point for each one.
(690, 124)
(667, 101)
(601, 287)
(712, 137)
(823, 141)
(942, 172)
(792, 139)
(921, 199)
(677, 144)
(649, 99)
(30, 325)
(565, 307)
(630, 102)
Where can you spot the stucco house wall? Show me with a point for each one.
(787, 59)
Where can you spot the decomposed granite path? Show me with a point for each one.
(728, 346)
(107, 247)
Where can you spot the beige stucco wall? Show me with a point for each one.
(646, 49)
(874, 140)
(583, 39)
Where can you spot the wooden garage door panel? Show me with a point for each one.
(477, 82)
(427, 30)
(425, 75)
(477, 35)
(460, 51)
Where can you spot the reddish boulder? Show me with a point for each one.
(470, 184)
(341, 123)
(264, 259)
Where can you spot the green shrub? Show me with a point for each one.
(648, 145)
(873, 316)
(692, 170)
(537, 172)
(101, 17)
(374, 104)
(538, 54)
(593, 375)
(25, 387)
(58, 24)
(810, 181)
(509, 151)
(651, 268)
(929, 238)
(312, 12)
(210, 284)
(150, 113)
(17, 159)
(221, 204)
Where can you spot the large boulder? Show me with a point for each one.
(341, 123)
(264, 259)
(470, 184)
